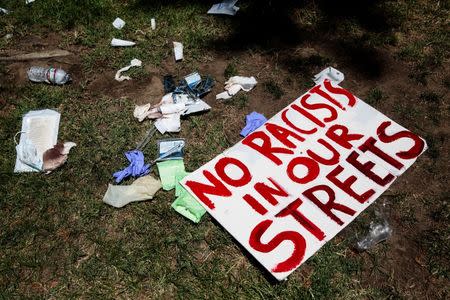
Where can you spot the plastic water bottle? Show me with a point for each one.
(48, 75)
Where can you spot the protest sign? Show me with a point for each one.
(293, 184)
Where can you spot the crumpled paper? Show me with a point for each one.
(143, 188)
(235, 84)
(134, 63)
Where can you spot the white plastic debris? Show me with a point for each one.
(134, 63)
(28, 155)
(335, 76)
(121, 43)
(224, 8)
(169, 123)
(118, 23)
(38, 134)
(178, 50)
(235, 84)
(29, 1)
(198, 106)
(377, 233)
(48, 75)
(143, 188)
(153, 23)
(4, 11)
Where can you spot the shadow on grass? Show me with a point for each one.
(272, 26)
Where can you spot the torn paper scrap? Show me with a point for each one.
(224, 8)
(143, 188)
(330, 73)
(134, 63)
(235, 84)
(40, 128)
(56, 156)
(121, 43)
(118, 23)
(253, 121)
(153, 23)
(178, 51)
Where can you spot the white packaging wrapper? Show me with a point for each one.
(178, 51)
(121, 43)
(118, 23)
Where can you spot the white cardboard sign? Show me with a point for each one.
(293, 184)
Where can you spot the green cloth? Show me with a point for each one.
(168, 170)
(186, 204)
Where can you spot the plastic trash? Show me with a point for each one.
(121, 43)
(378, 232)
(27, 154)
(39, 133)
(178, 51)
(168, 171)
(253, 121)
(4, 11)
(29, 1)
(224, 8)
(153, 23)
(143, 188)
(136, 168)
(48, 75)
(55, 157)
(169, 84)
(118, 23)
(335, 76)
(235, 84)
(169, 149)
(134, 63)
(185, 204)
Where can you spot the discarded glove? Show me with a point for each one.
(143, 188)
(136, 167)
(235, 84)
(253, 122)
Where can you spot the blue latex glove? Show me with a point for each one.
(253, 122)
(136, 167)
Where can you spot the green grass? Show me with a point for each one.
(273, 88)
(374, 96)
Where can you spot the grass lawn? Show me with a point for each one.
(59, 240)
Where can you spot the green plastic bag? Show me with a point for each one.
(186, 204)
(168, 170)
